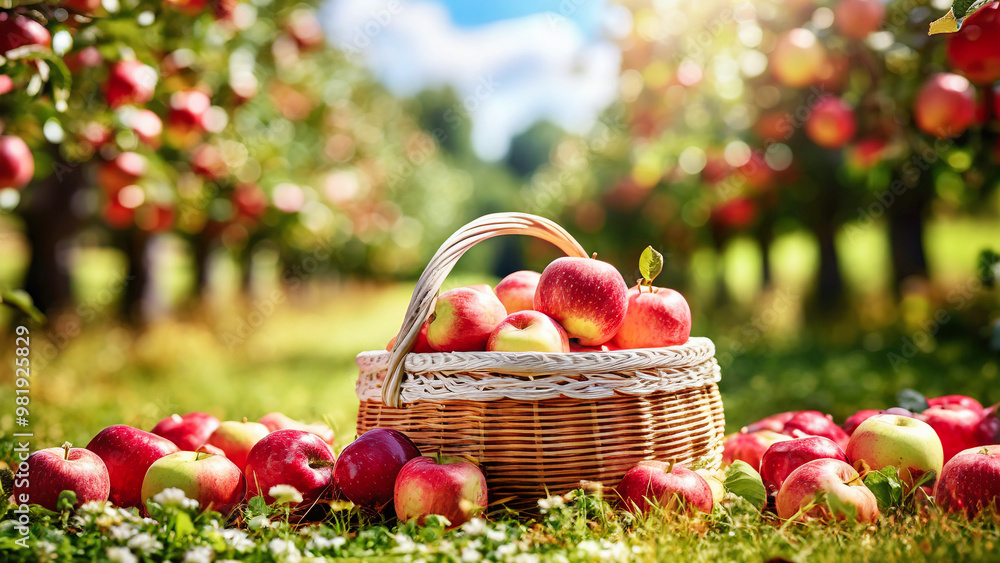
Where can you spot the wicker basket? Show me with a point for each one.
(540, 423)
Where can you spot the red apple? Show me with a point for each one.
(656, 316)
(123, 170)
(85, 7)
(749, 446)
(130, 82)
(867, 152)
(187, 432)
(832, 124)
(588, 297)
(128, 452)
(908, 444)
(290, 457)
(278, 421)
(856, 19)
(449, 487)
(784, 457)
(517, 290)
(852, 422)
(250, 201)
(212, 480)
(146, 125)
(186, 118)
(815, 423)
(958, 400)
(973, 50)
(833, 479)
(528, 331)
(945, 105)
(17, 165)
(210, 449)
(367, 468)
(206, 161)
(736, 213)
(88, 57)
(956, 426)
(463, 320)
(54, 470)
(970, 482)
(420, 347)
(6, 84)
(20, 31)
(237, 439)
(796, 58)
(988, 432)
(188, 7)
(658, 484)
(774, 422)
(575, 347)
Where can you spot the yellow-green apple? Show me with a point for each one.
(517, 290)
(852, 422)
(956, 426)
(588, 297)
(973, 50)
(815, 423)
(421, 346)
(17, 30)
(988, 432)
(774, 422)
(278, 421)
(210, 449)
(290, 457)
(54, 470)
(833, 487)
(237, 439)
(446, 486)
(129, 83)
(749, 446)
(957, 400)
(945, 105)
(656, 316)
(367, 467)
(673, 487)
(528, 331)
(188, 431)
(784, 457)
(908, 444)
(212, 480)
(463, 320)
(831, 124)
(856, 19)
(796, 58)
(128, 452)
(970, 482)
(17, 165)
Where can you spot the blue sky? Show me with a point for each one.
(586, 14)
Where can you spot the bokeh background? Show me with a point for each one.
(231, 198)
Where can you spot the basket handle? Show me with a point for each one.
(425, 293)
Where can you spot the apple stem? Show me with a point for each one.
(244, 420)
(318, 463)
(197, 455)
(593, 256)
(66, 446)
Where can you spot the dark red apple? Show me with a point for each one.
(672, 487)
(815, 423)
(17, 165)
(54, 470)
(973, 50)
(988, 431)
(784, 457)
(128, 452)
(189, 431)
(367, 468)
(735, 213)
(956, 426)
(290, 457)
(945, 106)
(970, 482)
(588, 297)
(449, 487)
(20, 31)
(130, 82)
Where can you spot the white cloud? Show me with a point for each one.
(509, 74)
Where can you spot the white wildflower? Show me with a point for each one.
(237, 539)
(94, 507)
(589, 547)
(474, 527)
(506, 550)
(470, 554)
(199, 554)
(120, 555)
(284, 551)
(528, 558)
(405, 544)
(547, 504)
(145, 544)
(121, 532)
(285, 494)
(259, 522)
(174, 497)
(323, 542)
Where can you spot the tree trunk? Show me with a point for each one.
(906, 232)
(765, 236)
(134, 243)
(201, 252)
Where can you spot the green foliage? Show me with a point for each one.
(911, 400)
(744, 481)
(886, 487)
(650, 265)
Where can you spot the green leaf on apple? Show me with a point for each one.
(952, 21)
(886, 487)
(743, 481)
(650, 265)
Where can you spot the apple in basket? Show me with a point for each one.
(908, 444)
(366, 470)
(517, 290)
(53, 470)
(448, 486)
(420, 347)
(669, 486)
(528, 331)
(833, 487)
(463, 320)
(587, 296)
(656, 316)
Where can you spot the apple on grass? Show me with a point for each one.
(815, 423)
(970, 482)
(957, 400)
(852, 422)
(672, 487)
(279, 421)
(128, 452)
(786, 456)
(517, 290)
(774, 422)
(956, 426)
(237, 439)
(586, 296)
(54, 470)
(446, 486)
(908, 444)
(367, 467)
(988, 431)
(463, 320)
(212, 480)
(188, 431)
(528, 331)
(832, 487)
(750, 446)
(290, 457)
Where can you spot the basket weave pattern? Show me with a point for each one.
(540, 423)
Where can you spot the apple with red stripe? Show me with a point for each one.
(447, 486)
(128, 452)
(54, 470)
(212, 480)
(586, 296)
(655, 316)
